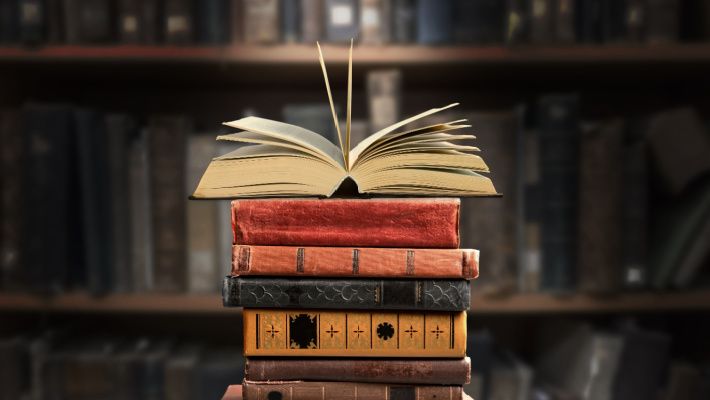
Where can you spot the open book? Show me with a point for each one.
(286, 160)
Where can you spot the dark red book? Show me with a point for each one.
(412, 223)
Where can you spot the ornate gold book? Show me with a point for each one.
(303, 333)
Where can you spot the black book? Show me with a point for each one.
(435, 21)
(542, 22)
(404, 15)
(213, 21)
(32, 17)
(177, 22)
(49, 245)
(342, 20)
(642, 364)
(517, 21)
(291, 21)
(479, 21)
(95, 200)
(137, 21)
(590, 20)
(55, 21)
(358, 294)
(559, 169)
(662, 21)
(11, 200)
(95, 20)
(9, 27)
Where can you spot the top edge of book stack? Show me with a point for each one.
(283, 160)
(350, 298)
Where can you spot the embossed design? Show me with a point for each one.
(385, 331)
(437, 331)
(411, 331)
(446, 295)
(332, 331)
(273, 331)
(358, 331)
(304, 331)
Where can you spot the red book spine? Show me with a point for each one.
(403, 223)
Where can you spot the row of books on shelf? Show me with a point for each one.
(572, 360)
(372, 22)
(106, 196)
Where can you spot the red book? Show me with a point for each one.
(403, 223)
(365, 262)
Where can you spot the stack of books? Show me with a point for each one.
(378, 286)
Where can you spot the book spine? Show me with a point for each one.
(33, 18)
(213, 21)
(291, 21)
(55, 21)
(378, 370)
(356, 294)
(564, 21)
(167, 136)
(421, 223)
(635, 207)
(309, 333)
(662, 21)
(364, 262)
(435, 21)
(342, 20)
(298, 390)
(129, 21)
(140, 221)
(261, 21)
(177, 23)
(9, 27)
(384, 97)
(559, 147)
(542, 22)
(403, 21)
(479, 21)
(11, 199)
(95, 21)
(635, 21)
(517, 22)
(373, 22)
(312, 20)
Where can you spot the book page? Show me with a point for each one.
(332, 107)
(290, 133)
(378, 135)
(257, 138)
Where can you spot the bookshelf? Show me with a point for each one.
(404, 56)
(529, 304)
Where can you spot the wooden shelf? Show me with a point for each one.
(363, 55)
(514, 304)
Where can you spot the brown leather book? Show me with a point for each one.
(417, 223)
(298, 390)
(309, 333)
(366, 262)
(366, 370)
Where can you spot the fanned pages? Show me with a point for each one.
(275, 159)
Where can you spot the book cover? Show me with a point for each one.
(309, 333)
(342, 294)
(363, 262)
(167, 140)
(342, 20)
(299, 390)
(441, 371)
(261, 21)
(404, 18)
(416, 223)
(435, 21)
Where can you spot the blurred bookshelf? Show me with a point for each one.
(514, 304)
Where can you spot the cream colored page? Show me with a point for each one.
(378, 135)
(291, 133)
(262, 150)
(257, 138)
(332, 108)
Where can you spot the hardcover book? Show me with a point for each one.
(365, 262)
(309, 333)
(287, 160)
(358, 294)
(416, 223)
(299, 390)
(455, 371)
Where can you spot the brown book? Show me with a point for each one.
(299, 390)
(600, 208)
(366, 262)
(374, 21)
(312, 21)
(372, 370)
(313, 333)
(418, 223)
(542, 22)
(178, 23)
(261, 21)
(234, 392)
(167, 136)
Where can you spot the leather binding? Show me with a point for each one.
(299, 390)
(320, 333)
(399, 223)
(365, 370)
(365, 262)
(385, 294)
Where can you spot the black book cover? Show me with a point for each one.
(212, 21)
(559, 169)
(51, 236)
(95, 200)
(479, 21)
(392, 294)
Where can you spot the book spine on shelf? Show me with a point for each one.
(299, 390)
(435, 20)
(662, 21)
(9, 23)
(308, 333)
(374, 22)
(312, 21)
(559, 148)
(479, 21)
(635, 207)
(517, 22)
(564, 32)
(416, 223)
(178, 24)
(357, 294)
(377, 370)
(542, 22)
(140, 217)
(212, 21)
(33, 17)
(404, 17)
(95, 19)
(342, 20)
(363, 262)
(167, 137)
(11, 199)
(291, 21)
(261, 21)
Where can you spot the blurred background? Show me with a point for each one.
(592, 115)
